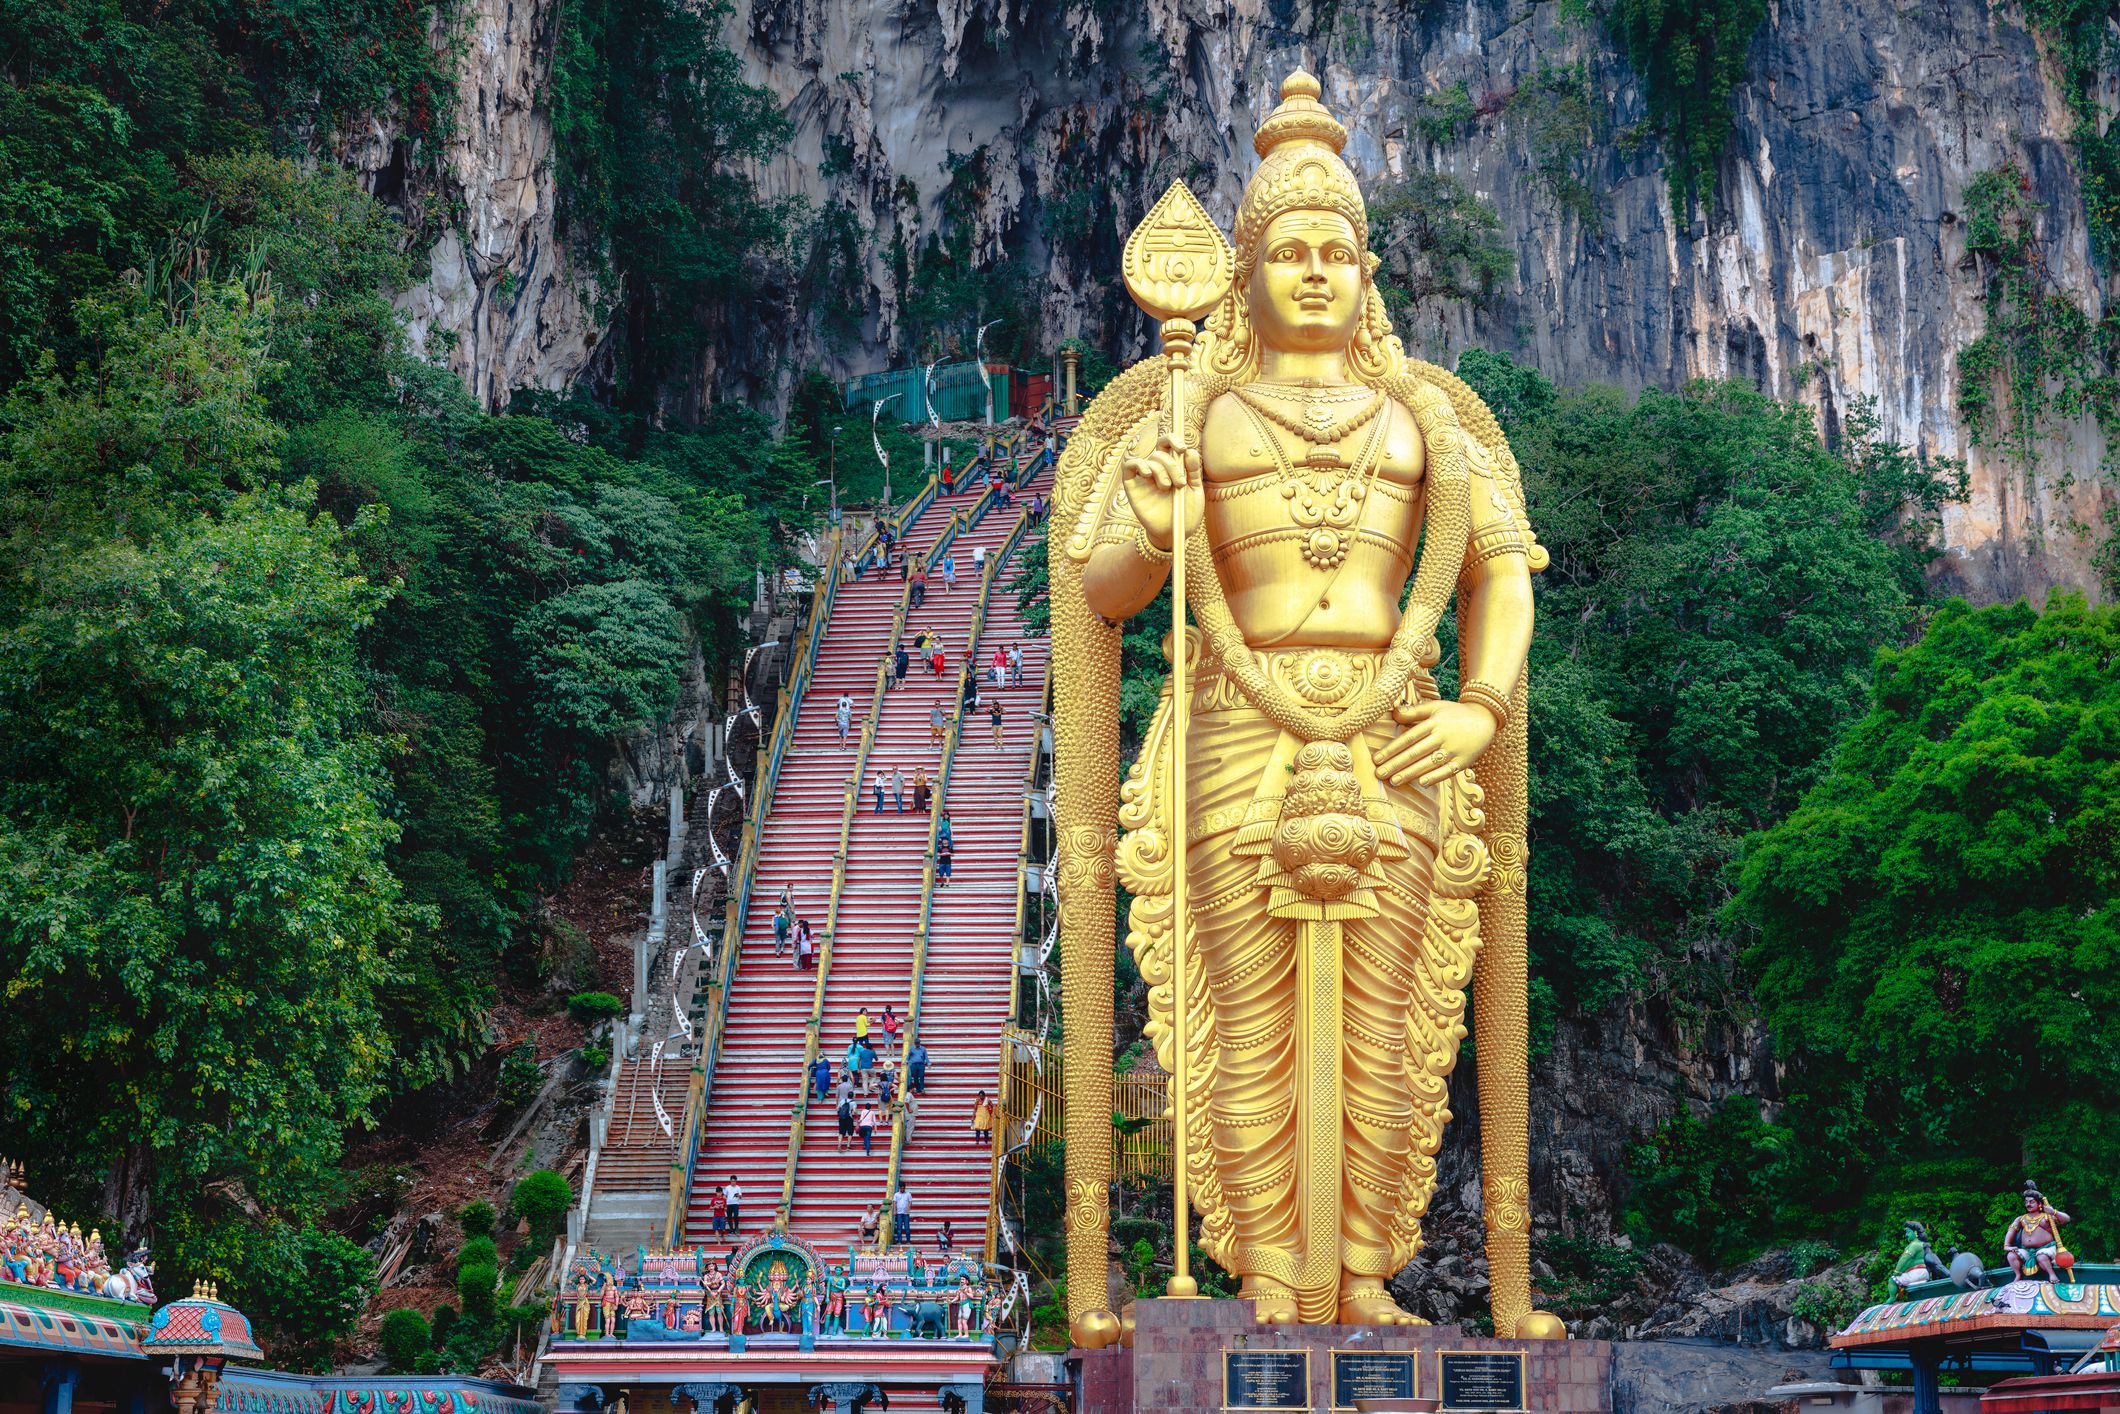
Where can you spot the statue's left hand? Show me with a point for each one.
(1440, 740)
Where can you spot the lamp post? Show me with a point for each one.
(875, 412)
(979, 353)
(832, 471)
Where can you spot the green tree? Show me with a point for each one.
(653, 120)
(1719, 583)
(543, 1198)
(1935, 928)
(193, 885)
(1440, 243)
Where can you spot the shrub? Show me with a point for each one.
(477, 1252)
(595, 1058)
(1809, 1255)
(1127, 1231)
(591, 1007)
(520, 1077)
(475, 1288)
(405, 1338)
(1828, 1305)
(476, 1219)
(445, 1319)
(543, 1198)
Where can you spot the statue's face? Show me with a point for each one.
(1307, 282)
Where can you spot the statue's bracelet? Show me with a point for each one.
(1487, 696)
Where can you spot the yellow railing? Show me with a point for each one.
(1031, 1082)
(723, 970)
(1020, 933)
(850, 801)
(969, 666)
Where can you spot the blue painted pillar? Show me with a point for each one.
(60, 1379)
(1928, 1397)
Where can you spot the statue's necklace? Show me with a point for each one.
(1324, 499)
(1319, 424)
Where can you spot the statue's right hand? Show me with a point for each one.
(1150, 480)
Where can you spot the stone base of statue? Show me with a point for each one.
(1203, 1357)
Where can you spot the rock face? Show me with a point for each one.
(1832, 266)
(505, 304)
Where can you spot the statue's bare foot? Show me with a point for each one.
(1271, 1305)
(1365, 1302)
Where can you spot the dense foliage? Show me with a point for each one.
(2041, 360)
(653, 123)
(1937, 933)
(1719, 582)
(2082, 40)
(311, 672)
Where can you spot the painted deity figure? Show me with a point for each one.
(835, 1304)
(879, 1308)
(740, 1307)
(990, 1315)
(1345, 866)
(584, 1304)
(714, 1288)
(1915, 1259)
(2033, 1238)
(967, 1299)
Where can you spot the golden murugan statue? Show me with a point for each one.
(1347, 875)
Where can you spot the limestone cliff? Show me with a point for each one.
(1832, 265)
(505, 304)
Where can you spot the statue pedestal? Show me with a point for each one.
(1181, 1363)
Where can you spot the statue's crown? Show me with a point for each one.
(1300, 117)
(1301, 168)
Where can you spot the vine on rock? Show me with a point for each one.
(2082, 37)
(2041, 359)
(1691, 58)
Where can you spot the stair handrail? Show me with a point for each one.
(849, 803)
(723, 972)
(699, 1089)
(901, 521)
(942, 781)
(1015, 972)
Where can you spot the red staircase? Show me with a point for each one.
(971, 945)
(758, 1080)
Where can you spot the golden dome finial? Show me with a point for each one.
(1299, 118)
(1301, 169)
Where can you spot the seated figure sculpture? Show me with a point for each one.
(2033, 1238)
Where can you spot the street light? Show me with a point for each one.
(875, 412)
(832, 471)
(979, 354)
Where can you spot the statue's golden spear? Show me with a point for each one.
(1178, 268)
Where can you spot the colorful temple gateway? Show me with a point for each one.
(2045, 1316)
(79, 1338)
(776, 1318)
